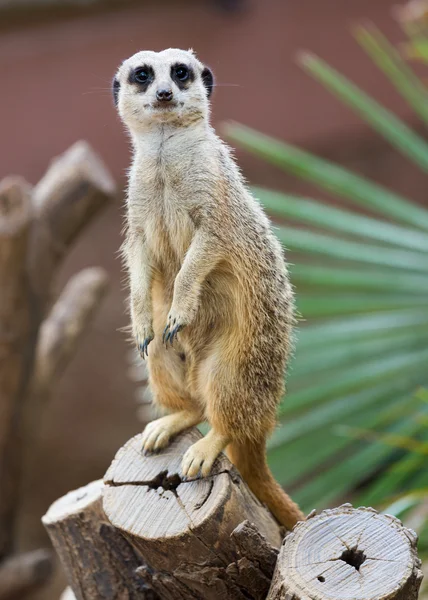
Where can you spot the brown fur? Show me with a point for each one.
(201, 254)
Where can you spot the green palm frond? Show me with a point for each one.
(352, 426)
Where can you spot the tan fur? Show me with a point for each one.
(200, 254)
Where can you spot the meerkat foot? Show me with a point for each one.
(155, 437)
(201, 456)
(158, 434)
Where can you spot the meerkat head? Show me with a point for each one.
(169, 86)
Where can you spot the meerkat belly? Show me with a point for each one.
(169, 232)
(217, 310)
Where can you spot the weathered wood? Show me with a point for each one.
(63, 328)
(16, 328)
(186, 530)
(24, 573)
(75, 187)
(58, 339)
(347, 553)
(98, 561)
(36, 229)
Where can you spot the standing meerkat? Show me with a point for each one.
(211, 305)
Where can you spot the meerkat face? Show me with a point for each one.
(168, 86)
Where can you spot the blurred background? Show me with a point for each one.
(354, 427)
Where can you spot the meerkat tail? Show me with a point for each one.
(250, 459)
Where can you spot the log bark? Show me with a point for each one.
(348, 553)
(186, 531)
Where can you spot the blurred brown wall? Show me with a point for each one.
(55, 79)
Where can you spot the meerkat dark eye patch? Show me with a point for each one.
(115, 89)
(182, 75)
(208, 80)
(142, 77)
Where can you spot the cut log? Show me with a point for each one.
(98, 561)
(347, 553)
(183, 530)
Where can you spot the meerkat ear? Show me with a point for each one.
(115, 87)
(208, 80)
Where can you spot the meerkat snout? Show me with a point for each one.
(164, 95)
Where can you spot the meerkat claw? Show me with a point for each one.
(143, 347)
(175, 331)
(170, 333)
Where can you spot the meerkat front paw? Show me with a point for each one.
(176, 321)
(143, 336)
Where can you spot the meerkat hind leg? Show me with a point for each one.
(158, 433)
(201, 455)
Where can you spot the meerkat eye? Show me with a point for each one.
(141, 75)
(182, 73)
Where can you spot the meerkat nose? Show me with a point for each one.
(164, 95)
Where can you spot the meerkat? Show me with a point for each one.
(210, 300)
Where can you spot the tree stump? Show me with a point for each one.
(184, 529)
(164, 539)
(348, 554)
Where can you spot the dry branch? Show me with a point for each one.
(73, 190)
(17, 329)
(36, 229)
(24, 573)
(66, 323)
(58, 340)
(347, 552)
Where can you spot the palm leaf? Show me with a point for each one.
(329, 218)
(389, 60)
(333, 178)
(382, 120)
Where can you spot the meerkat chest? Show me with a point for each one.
(161, 201)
